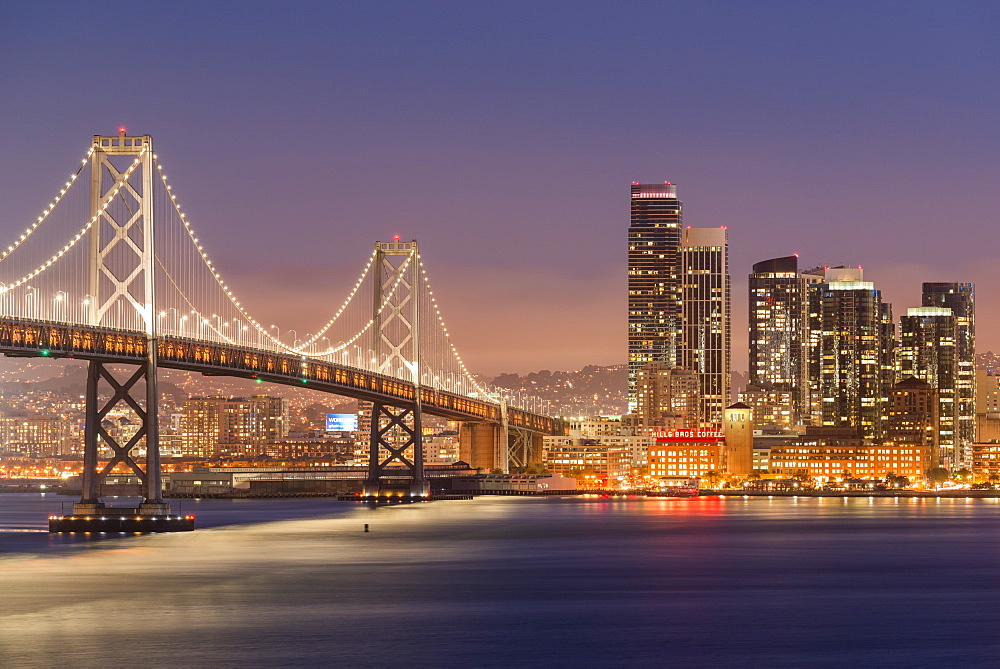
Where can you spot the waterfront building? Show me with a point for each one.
(654, 287)
(329, 449)
(667, 397)
(39, 435)
(738, 428)
(961, 300)
(686, 453)
(913, 424)
(779, 341)
(705, 318)
(833, 453)
(611, 459)
(928, 351)
(822, 452)
(986, 459)
(852, 352)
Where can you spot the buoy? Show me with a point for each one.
(366, 527)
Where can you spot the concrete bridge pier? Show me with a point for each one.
(490, 446)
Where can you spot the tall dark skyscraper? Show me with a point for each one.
(928, 351)
(705, 318)
(960, 298)
(852, 352)
(779, 331)
(654, 286)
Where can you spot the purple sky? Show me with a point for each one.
(504, 137)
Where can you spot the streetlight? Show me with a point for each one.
(59, 299)
(27, 307)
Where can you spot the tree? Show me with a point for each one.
(963, 474)
(754, 475)
(897, 482)
(712, 477)
(938, 475)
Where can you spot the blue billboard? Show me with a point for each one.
(341, 422)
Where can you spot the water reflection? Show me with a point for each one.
(521, 581)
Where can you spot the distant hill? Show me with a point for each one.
(988, 361)
(593, 390)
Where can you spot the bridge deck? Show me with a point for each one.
(20, 337)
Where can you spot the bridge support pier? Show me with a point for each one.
(395, 429)
(489, 446)
(479, 445)
(90, 514)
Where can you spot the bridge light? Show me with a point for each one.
(44, 351)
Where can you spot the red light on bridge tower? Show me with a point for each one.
(395, 238)
(121, 130)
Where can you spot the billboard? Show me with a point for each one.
(341, 422)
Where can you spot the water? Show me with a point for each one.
(514, 582)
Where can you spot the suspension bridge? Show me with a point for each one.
(114, 273)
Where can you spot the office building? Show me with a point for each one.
(779, 341)
(705, 318)
(686, 453)
(928, 350)
(217, 426)
(913, 424)
(960, 298)
(654, 291)
(667, 397)
(773, 407)
(852, 352)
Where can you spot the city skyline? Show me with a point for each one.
(511, 169)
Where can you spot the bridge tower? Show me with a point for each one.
(396, 326)
(120, 284)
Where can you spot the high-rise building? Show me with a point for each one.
(912, 427)
(779, 335)
(928, 351)
(852, 348)
(705, 318)
(232, 426)
(961, 299)
(654, 290)
(667, 397)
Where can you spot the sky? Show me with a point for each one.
(503, 136)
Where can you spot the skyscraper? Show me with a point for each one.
(928, 351)
(912, 425)
(668, 397)
(779, 332)
(961, 299)
(232, 426)
(852, 348)
(654, 292)
(705, 317)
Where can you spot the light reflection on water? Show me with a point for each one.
(516, 581)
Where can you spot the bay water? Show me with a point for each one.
(494, 581)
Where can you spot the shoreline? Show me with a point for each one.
(984, 494)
